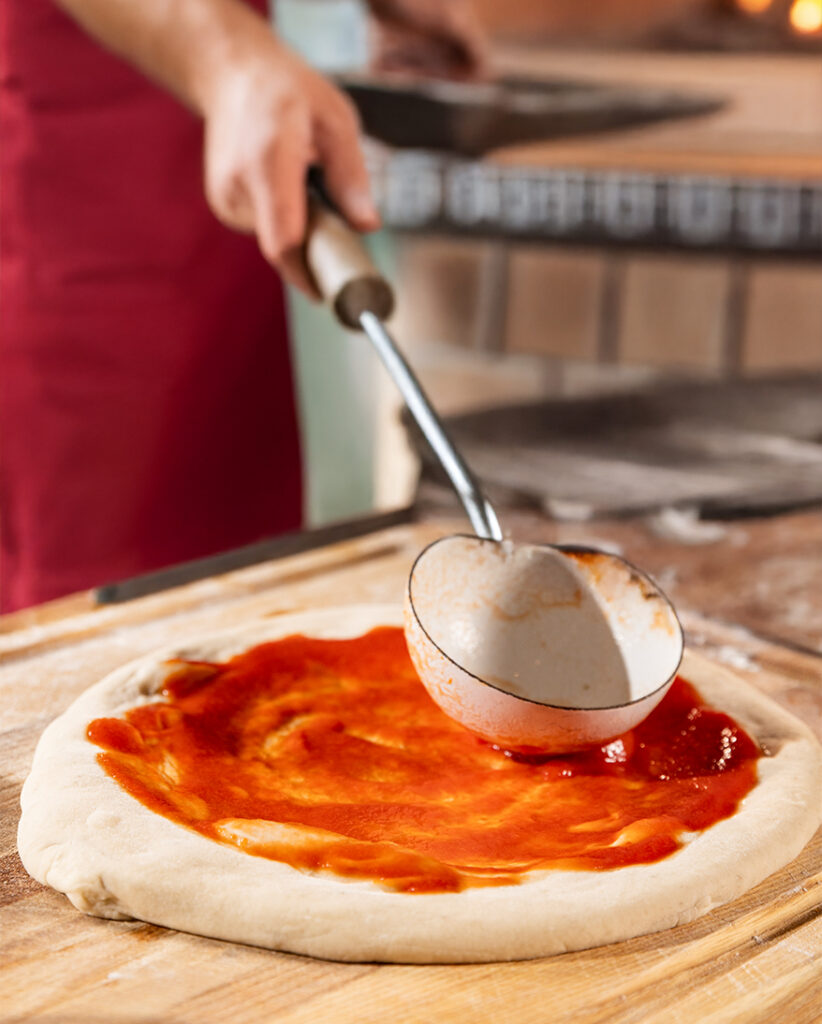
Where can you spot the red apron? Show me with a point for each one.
(146, 407)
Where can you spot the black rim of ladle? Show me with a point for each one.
(570, 549)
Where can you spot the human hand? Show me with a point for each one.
(439, 37)
(269, 117)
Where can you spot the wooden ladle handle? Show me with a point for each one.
(342, 269)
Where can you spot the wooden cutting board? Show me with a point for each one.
(759, 959)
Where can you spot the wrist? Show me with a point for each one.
(240, 42)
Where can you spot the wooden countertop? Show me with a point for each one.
(749, 598)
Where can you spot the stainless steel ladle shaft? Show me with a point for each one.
(479, 509)
(362, 299)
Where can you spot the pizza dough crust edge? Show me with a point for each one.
(81, 834)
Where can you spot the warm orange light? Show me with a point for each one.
(754, 6)
(806, 15)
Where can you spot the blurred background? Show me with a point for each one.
(612, 320)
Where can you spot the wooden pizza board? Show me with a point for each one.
(758, 959)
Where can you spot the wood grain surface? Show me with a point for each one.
(756, 960)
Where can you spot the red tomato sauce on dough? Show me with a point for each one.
(329, 755)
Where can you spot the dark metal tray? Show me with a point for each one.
(728, 448)
(471, 118)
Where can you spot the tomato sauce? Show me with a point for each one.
(329, 755)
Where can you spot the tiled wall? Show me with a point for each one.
(705, 315)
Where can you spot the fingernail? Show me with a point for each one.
(362, 206)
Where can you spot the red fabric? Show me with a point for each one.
(146, 406)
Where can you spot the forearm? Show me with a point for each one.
(268, 115)
(184, 45)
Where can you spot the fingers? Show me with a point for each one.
(261, 140)
(278, 192)
(232, 205)
(439, 36)
(469, 37)
(293, 269)
(345, 173)
(226, 190)
(277, 183)
(415, 54)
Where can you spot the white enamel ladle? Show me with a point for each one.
(531, 647)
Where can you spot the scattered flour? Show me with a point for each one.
(685, 526)
(735, 658)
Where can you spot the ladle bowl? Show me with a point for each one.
(530, 647)
(539, 647)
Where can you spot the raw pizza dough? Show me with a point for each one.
(85, 836)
